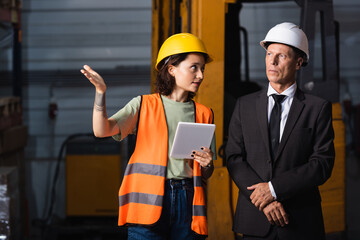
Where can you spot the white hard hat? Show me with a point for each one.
(289, 34)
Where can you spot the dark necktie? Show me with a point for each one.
(274, 125)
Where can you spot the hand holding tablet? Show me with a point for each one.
(191, 136)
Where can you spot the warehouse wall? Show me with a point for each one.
(59, 37)
(66, 34)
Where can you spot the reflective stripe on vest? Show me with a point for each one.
(135, 197)
(145, 168)
(197, 181)
(199, 210)
(142, 189)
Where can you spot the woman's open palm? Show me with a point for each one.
(94, 78)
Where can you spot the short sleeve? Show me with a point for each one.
(127, 118)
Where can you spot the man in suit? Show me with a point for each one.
(280, 147)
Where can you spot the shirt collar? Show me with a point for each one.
(289, 92)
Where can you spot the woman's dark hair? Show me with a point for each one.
(165, 83)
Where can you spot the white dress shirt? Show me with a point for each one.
(285, 108)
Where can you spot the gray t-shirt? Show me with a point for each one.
(175, 112)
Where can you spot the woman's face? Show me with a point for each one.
(189, 73)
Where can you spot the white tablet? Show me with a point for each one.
(191, 136)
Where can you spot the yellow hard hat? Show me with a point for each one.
(181, 43)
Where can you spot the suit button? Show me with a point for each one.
(269, 161)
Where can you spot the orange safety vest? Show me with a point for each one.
(142, 189)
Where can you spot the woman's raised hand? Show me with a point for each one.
(94, 78)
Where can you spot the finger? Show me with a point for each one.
(208, 153)
(252, 196)
(202, 161)
(252, 187)
(90, 70)
(83, 71)
(284, 215)
(86, 74)
(87, 67)
(269, 218)
(272, 220)
(275, 219)
(205, 149)
(256, 202)
(197, 158)
(263, 205)
(255, 194)
(201, 154)
(204, 158)
(253, 200)
(280, 218)
(89, 77)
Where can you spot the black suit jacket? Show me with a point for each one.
(304, 161)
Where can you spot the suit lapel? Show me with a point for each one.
(261, 109)
(295, 111)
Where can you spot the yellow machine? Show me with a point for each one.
(93, 175)
(201, 17)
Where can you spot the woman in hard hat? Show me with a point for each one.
(161, 197)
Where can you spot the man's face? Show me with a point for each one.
(281, 64)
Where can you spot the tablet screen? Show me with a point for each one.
(191, 136)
